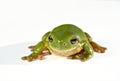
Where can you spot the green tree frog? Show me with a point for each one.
(66, 40)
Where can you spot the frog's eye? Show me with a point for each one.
(73, 40)
(50, 38)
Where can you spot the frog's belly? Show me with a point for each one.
(66, 53)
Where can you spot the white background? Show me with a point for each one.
(23, 22)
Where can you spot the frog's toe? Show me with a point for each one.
(81, 57)
(100, 49)
(72, 57)
(97, 48)
(28, 58)
(24, 58)
(40, 57)
(31, 48)
(84, 57)
(103, 49)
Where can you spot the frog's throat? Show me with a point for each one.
(66, 53)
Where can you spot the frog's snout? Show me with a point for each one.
(61, 45)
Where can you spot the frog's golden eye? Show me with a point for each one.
(73, 40)
(50, 38)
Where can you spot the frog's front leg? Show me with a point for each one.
(38, 50)
(37, 53)
(43, 39)
(85, 54)
(88, 51)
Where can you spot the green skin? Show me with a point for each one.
(66, 40)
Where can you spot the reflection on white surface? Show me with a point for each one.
(11, 54)
(99, 68)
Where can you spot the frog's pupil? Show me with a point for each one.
(50, 38)
(73, 41)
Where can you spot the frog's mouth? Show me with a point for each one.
(66, 53)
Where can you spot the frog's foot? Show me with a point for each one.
(97, 48)
(37, 56)
(31, 58)
(31, 47)
(81, 56)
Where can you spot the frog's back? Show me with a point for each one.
(70, 29)
(66, 27)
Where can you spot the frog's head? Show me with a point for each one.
(62, 40)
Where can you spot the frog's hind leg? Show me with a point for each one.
(95, 46)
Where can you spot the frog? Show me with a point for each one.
(66, 40)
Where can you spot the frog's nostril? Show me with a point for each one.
(64, 44)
